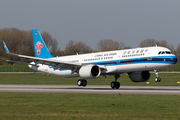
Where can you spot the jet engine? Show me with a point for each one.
(139, 76)
(89, 71)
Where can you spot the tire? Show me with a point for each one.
(79, 82)
(158, 79)
(84, 83)
(113, 85)
(117, 85)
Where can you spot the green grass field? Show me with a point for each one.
(58, 106)
(66, 106)
(168, 79)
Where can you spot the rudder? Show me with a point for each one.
(40, 47)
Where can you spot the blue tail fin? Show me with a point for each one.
(5, 47)
(40, 47)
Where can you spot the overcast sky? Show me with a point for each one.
(89, 21)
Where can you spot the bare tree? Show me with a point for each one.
(73, 47)
(163, 43)
(178, 49)
(18, 41)
(70, 48)
(50, 42)
(171, 47)
(153, 42)
(83, 48)
(148, 43)
(57, 53)
(109, 44)
(178, 52)
(21, 42)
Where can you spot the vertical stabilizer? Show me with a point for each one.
(40, 47)
(5, 47)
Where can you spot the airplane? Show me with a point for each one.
(135, 62)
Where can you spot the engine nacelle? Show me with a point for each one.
(89, 71)
(139, 76)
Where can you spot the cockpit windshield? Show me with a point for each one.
(165, 52)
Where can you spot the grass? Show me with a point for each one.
(25, 68)
(168, 79)
(47, 106)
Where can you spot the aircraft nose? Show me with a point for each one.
(175, 59)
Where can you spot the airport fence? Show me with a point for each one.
(175, 68)
(15, 68)
(25, 68)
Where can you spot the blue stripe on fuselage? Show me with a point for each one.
(140, 60)
(158, 59)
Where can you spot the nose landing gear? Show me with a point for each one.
(157, 79)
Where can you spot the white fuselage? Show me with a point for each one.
(116, 62)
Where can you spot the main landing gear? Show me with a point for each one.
(82, 82)
(115, 84)
(157, 79)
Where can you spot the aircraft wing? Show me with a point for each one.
(51, 61)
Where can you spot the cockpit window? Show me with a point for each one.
(165, 52)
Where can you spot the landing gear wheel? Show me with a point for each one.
(115, 85)
(81, 82)
(84, 83)
(157, 79)
(112, 85)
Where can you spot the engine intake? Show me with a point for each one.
(89, 71)
(139, 76)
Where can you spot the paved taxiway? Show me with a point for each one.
(96, 89)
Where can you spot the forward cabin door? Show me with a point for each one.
(118, 60)
(149, 55)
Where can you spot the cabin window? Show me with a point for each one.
(137, 51)
(133, 52)
(141, 51)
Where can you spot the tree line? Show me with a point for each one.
(21, 42)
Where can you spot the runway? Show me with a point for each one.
(95, 89)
